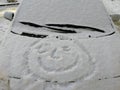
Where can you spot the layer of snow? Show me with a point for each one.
(59, 12)
(113, 6)
(29, 69)
(32, 47)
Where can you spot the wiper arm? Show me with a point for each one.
(55, 29)
(75, 27)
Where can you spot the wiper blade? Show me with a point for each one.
(75, 27)
(31, 35)
(61, 30)
(31, 24)
(55, 29)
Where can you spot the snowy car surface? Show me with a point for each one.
(61, 45)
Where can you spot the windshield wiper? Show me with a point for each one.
(75, 27)
(55, 29)
(30, 34)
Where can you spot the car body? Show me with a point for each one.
(61, 45)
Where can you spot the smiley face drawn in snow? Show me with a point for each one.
(59, 60)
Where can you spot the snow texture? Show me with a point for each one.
(60, 61)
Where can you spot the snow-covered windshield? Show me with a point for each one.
(63, 28)
(64, 15)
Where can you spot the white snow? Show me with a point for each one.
(56, 63)
(59, 12)
(27, 59)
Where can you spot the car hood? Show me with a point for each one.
(54, 58)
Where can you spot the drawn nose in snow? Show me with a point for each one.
(55, 53)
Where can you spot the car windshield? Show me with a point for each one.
(64, 16)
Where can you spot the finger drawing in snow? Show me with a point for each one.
(53, 62)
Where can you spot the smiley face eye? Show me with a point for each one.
(42, 51)
(66, 48)
(44, 48)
